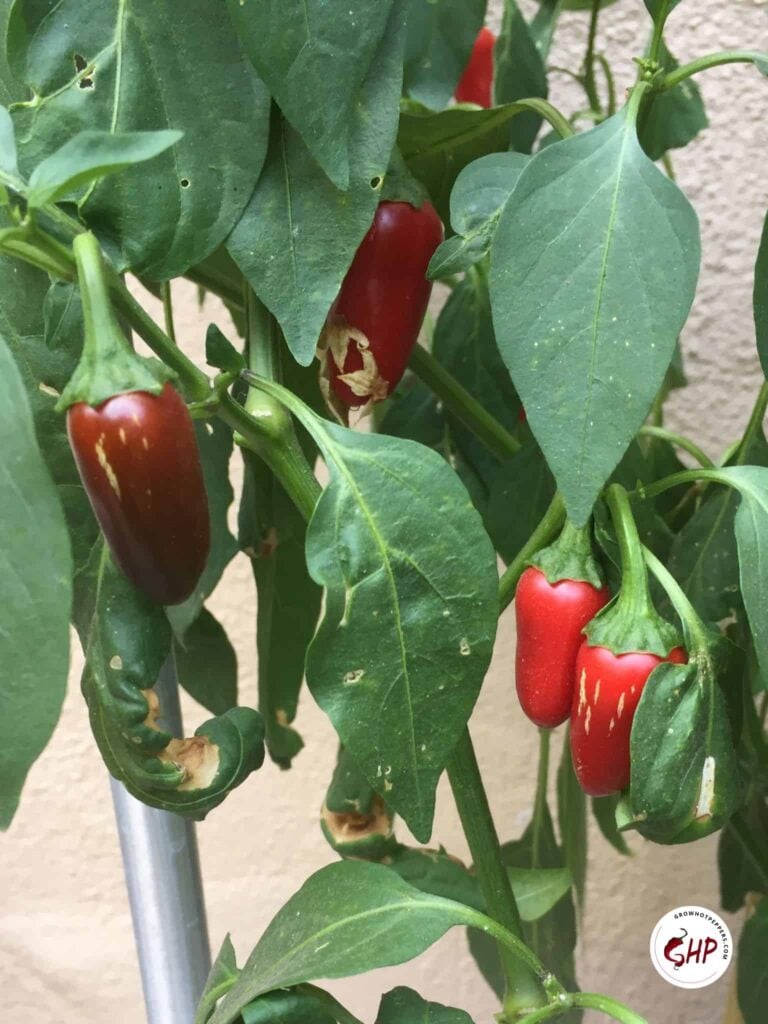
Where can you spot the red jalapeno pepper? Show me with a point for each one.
(476, 83)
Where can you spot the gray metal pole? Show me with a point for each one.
(162, 873)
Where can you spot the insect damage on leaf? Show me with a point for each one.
(197, 756)
(353, 826)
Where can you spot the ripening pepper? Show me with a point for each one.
(375, 321)
(476, 83)
(556, 597)
(138, 460)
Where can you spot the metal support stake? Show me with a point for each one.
(162, 873)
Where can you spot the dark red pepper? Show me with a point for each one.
(608, 689)
(376, 318)
(550, 619)
(138, 460)
(476, 84)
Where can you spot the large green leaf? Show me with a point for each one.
(124, 67)
(613, 244)
(519, 74)
(437, 146)
(404, 1006)
(35, 592)
(10, 89)
(410, 610)
(604, 811)
(214, 442)
(221, 975)
(314, 56)
(347, 918)
(288, 1007)
(673, 118)
(440, 37)
(753, 966)
(478, 197)
(738, 872)
(272, 534)
(685, 777)
(299, 232)
(126, 642)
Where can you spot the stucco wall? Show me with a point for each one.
(66, 948)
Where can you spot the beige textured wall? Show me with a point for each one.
(65, 935)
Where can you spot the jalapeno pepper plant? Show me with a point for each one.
(327, 175)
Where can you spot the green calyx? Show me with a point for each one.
(630, 623)
(108, 366)
(570, 557)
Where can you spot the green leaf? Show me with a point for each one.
(206, 664)
(8, 164)
(537, 890)
(760, 299)
(347, 918)
(90, 156)
(614, 245)
(521, 492)
(686, 781)
(220, 352)
(299, 233)
(604, 811)
(355, 820)
(404, 1006)
(214, 442)
(436, 872)
(412, 412)
(736, 869)
(752, 966)
(221, 975)
(35, 593)
(519, 74)
(10, 89)
(63, 319)
(118, 67)
(672, 118)
(464, 343)
(410, 609)
(572, 821)
(478, 197)
(441, 34)
(126, 643)
(314, 56)
(288, 1007)
(437, 146)
(272, 533)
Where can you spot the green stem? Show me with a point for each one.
(658, 30)
(680, 442)
(712, 60)
(523, 990)
(669, 167)
(195, 382)
(208, 1003)
(610, 83)
(170, 330)
(696, 633)
(590, 85)
(755, 424)
(634, 595)
(464, 407)
(610, 1007)
(549, 527)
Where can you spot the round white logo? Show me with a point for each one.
(691, 947)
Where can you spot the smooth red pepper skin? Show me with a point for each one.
(608, 690)
(476, 84)
(384, 296)
(550, 619)
(138, 461)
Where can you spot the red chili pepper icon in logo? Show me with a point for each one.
(672, 945)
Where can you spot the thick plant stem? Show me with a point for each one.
(755, 424)
(712, 60)
(464, 407)
(549, 527)
(524, 991)
(587, 1000)
(658, 30)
